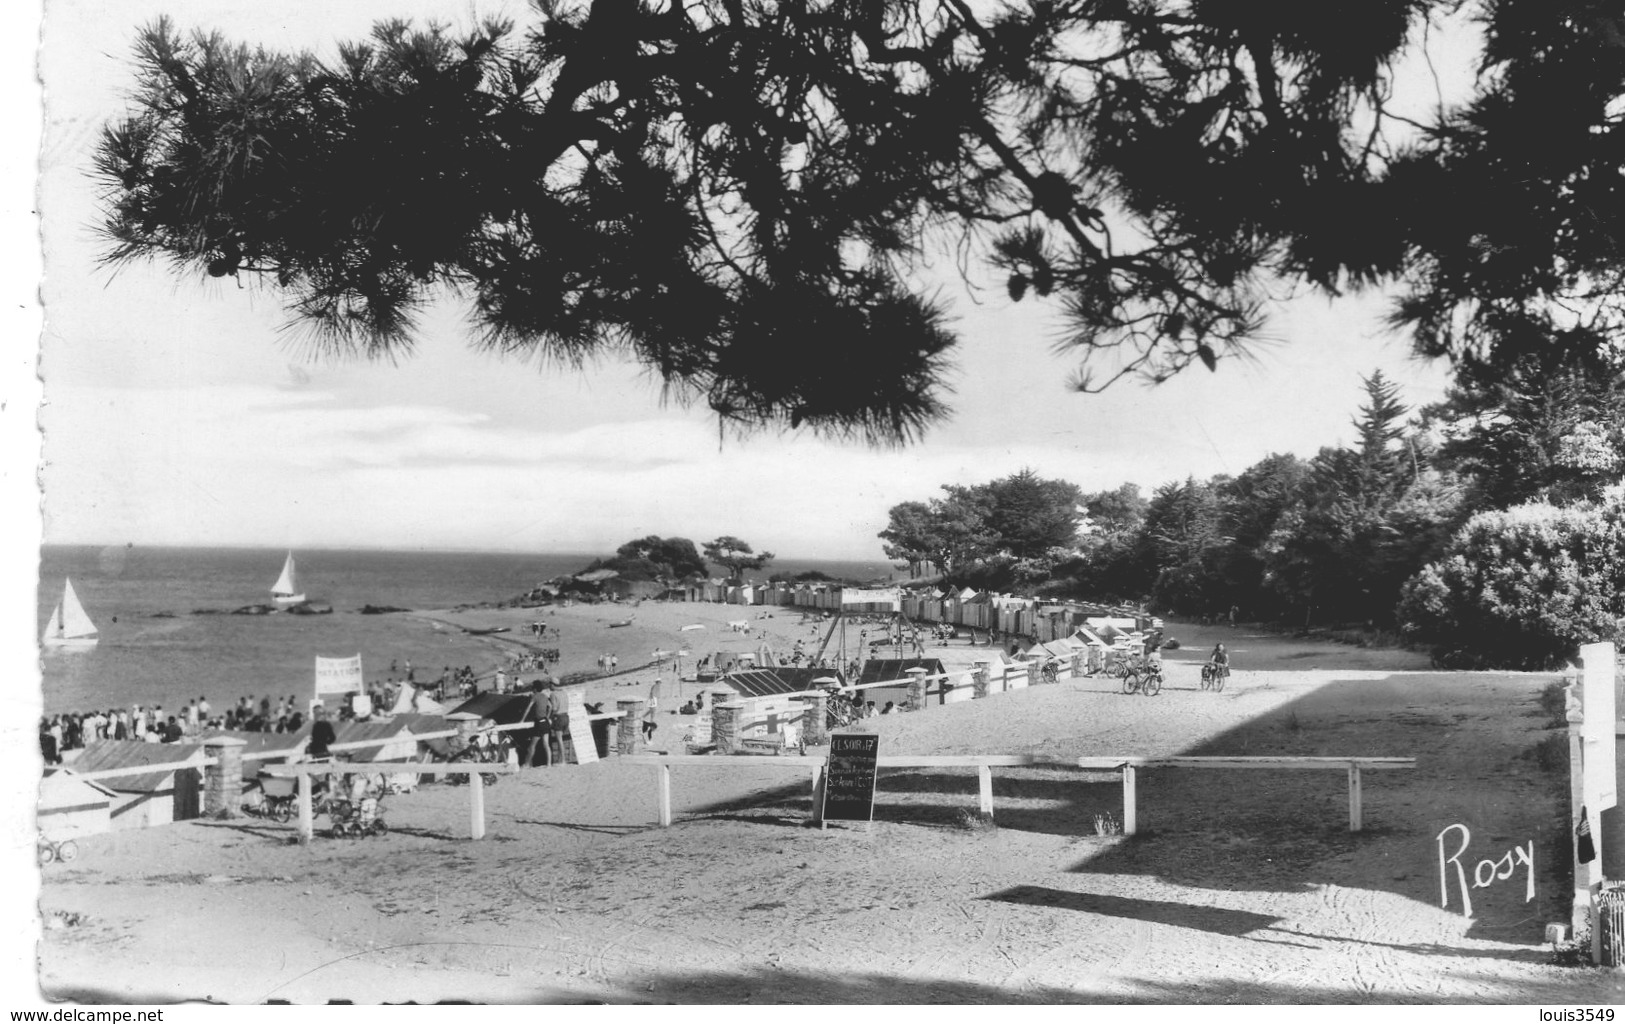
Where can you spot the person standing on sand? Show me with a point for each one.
(539, 752)
(561, 721)
(47, 744)
(321, 736)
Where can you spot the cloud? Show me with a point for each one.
(245, 465)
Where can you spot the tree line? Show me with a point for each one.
(675, 559)
(1489, 526)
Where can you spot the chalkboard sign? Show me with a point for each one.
(849, 777)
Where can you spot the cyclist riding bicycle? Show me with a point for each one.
(1219, 661)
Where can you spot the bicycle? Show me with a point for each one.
(1213, 676)
(1153, 679)
(1144, 679)
(1122, 664)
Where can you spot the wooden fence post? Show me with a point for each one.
(476, 805)
(307, 828)
(1130, 815)
(664, 784)
(984, 791)
(1354, 798)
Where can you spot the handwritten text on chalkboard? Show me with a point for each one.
(849, 777)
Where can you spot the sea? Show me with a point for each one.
(166, 635)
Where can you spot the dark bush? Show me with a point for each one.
(1522, 588)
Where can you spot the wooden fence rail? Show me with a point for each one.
(1352, 765)
(985, 763)
(303, 770)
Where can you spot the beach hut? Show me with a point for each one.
(70, 807)
(142, 799)
(976, 611)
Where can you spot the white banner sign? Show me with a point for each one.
(339, 675)
(1597, 732)
(891, 596)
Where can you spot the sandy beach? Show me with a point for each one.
(1240, 887)
(583, 632)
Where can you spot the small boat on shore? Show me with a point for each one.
(618, 625)
(69, 627)
(487, 632)
(285, 591)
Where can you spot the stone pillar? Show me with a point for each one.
(629, 733)
(223, 780)
(719, 695)
(979, 679)
(914, 699)
(814, 724)
(725, 725)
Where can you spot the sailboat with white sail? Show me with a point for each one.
(285, 592)
(69, 626)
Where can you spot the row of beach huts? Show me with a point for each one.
(1036, 619)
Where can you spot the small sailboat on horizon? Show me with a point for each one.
(285, 592)
(69, 627)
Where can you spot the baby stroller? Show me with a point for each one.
(361, 813)
(280, 797)
(456, 750)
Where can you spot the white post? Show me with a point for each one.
(307, 830)
(1599, 774)
(818, 794)
(984, 780)
(1354, 798)
(1580, 908)
(1130, 817)
(476, 805)
(665, 795)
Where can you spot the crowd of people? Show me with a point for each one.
(74, 731)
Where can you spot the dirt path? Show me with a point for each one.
(1242, 886)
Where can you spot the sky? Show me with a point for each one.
(176, 410)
